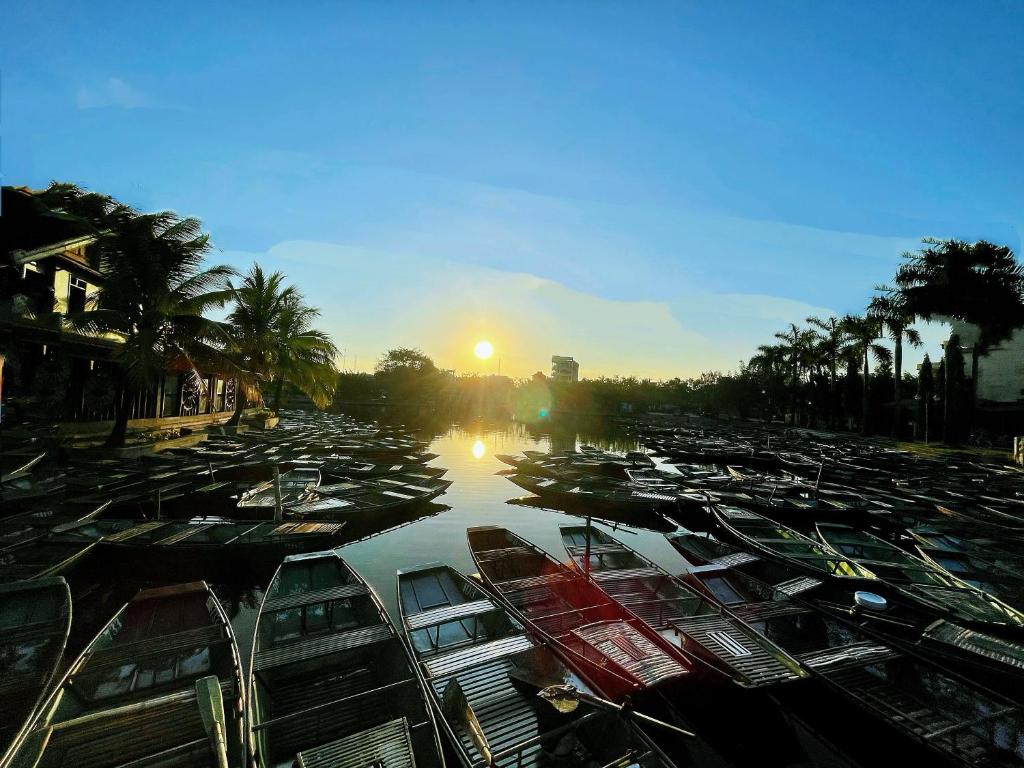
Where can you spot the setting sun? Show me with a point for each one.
(483, 349)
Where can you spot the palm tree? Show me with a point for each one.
(795, 345)
(271, 337)
(305, 356)
(978, 283)
(861, 334)
(155, 292)
(768, 365)
(892, 312)
(831, 338)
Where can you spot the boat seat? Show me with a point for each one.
(448, 613)
(631, 651)
(828, 660)
(388, 745)
(320, 646)
(768, 609)
(315, 596)
(172, 726)
(516, 585)
(798, 585)
(597, 549)
(450, 663)
(616, 574)
(125, 653)
(488, 555)
(734, 559)
(738, 649)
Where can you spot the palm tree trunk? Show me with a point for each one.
(278, 389)
(832, 397)
(897, 412)
(864, 428)
(119, 433)
(236, 417)
(975, 355)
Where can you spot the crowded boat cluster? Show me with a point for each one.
(851, 586)
(893, 579)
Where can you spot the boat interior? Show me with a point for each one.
(329, 672)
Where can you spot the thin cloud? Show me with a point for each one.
(117, 94)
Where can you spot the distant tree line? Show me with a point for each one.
(833, 372)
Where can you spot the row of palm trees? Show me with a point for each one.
(977, 283)
(157, 298)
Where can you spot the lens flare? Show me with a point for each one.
(483, 349)
(479, 449)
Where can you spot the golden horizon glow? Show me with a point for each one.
(483, 349)
(479, 449)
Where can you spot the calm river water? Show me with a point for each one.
(477, 496)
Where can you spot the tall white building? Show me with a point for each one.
(1001, 371)
(564, 369)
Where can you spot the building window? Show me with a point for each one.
(218, 395)
(77, 291)
(170, 405)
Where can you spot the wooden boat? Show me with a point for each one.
(985, 564)
(362, 469)
(20, 466)
(31, 526)
(483, 672)
(959, 720)
(159, 685)
(294, 484)
(622, 497)
(731, 575)
(924, 582)
(353, 499)
(41, 557)
(331, 682)
(776, 541)
(617, 652)
(168, 544)
(676, 611)
(651, 521)
(35, 618)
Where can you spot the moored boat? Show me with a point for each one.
(483, 672)
(914, 698)
(35, 619)
(677, 612)
(331, 682)
(923, 581)
(159, 685)
(618, 652)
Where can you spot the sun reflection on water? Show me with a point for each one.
(479, 449)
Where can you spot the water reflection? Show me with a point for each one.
(479, 449)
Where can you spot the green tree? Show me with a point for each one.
(978, 283)
(891, 310)
(408, 375)
(831, 339)
(863, 333)
(155, 292)
(305, 355)
(272, 339)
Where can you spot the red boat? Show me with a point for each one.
(614, 650)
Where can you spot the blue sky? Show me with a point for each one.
(653, 188)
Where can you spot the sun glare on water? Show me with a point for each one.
(478, 449)
(483, 349)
